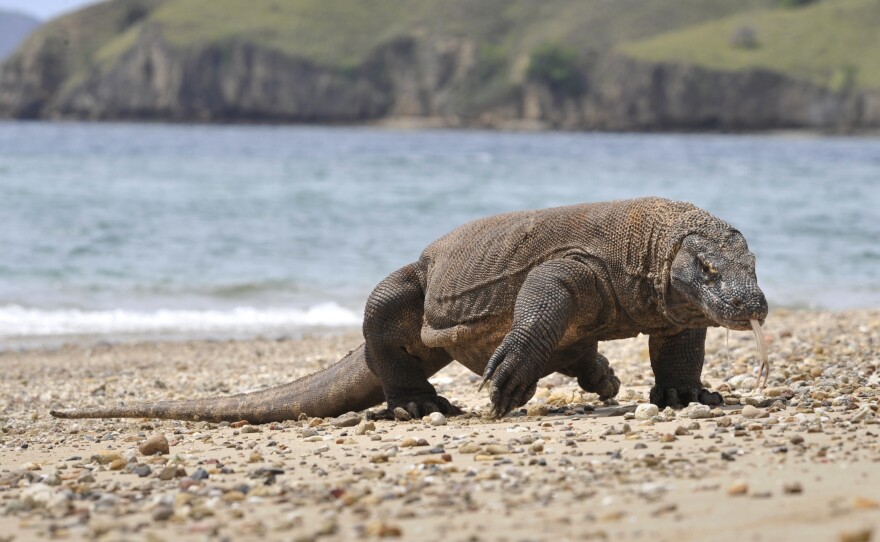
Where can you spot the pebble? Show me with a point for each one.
(142, 470)
(742, 382)
(157, 444)
(383, 529)
(751, 412)
(860, 535)
(363, 427)
(248, 429)
(646, 411)
(793, 488)
(436, 418)
(537, 410)
(163, 513)
(738, 488)
(171, 472)
(200, 474)
(349, 419)
(402, 415)
(697, 411)
(106, 457)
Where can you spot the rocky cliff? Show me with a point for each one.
(422, 75)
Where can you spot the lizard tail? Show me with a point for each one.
(347, 385)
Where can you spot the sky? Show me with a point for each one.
(43, 9)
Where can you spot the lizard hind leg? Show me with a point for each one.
(394, 350)
(594, 373)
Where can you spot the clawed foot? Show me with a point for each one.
(682, 397)
(600, 380)
(408, 408)
(513, 379)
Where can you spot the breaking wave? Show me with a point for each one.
(18, 322)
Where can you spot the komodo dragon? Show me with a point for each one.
(517, 296)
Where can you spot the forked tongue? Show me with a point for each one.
(762, 353)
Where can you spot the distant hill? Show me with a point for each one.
(14, 28)
(573, 64)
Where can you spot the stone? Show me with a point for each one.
(537, 410)
(751, 412)
(697, 411)
(106, 457)
(496, 449)
(171, 472)
(363, 427)
(468, 448)
(436, 419)
(738, 488)
(861, 535)
(402, 415)
(200, 474)
(382, 529)
(157, 444)
(163, 513)
(793, 488)
(349, 419)
(742, 382)
(646, 411)
(248, 429)
(142, 470)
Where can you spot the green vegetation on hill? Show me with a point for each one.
(834, 43)
(344, 32)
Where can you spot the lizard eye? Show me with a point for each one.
(709, 270)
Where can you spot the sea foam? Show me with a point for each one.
(17, 321)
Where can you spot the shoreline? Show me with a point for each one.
(416, 124)
(801, 464)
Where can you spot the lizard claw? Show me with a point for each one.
(414, 407)
(491, 366)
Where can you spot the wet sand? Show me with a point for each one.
(798, 461)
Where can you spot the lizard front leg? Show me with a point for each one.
(553, 294)
(677, 361)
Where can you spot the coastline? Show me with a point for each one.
(804, 467)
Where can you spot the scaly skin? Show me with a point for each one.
(517, 296)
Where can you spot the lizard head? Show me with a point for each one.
(715, 273)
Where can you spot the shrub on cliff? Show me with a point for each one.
(556, 66)
(796, 3)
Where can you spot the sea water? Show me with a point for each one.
(177, 230)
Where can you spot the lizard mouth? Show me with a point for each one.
(719, 309)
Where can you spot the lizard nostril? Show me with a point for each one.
(736, 302)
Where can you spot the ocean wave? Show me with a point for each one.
(17, 321)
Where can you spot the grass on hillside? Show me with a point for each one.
(834, 43)
(343, 33)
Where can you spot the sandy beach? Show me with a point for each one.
(797, 461)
